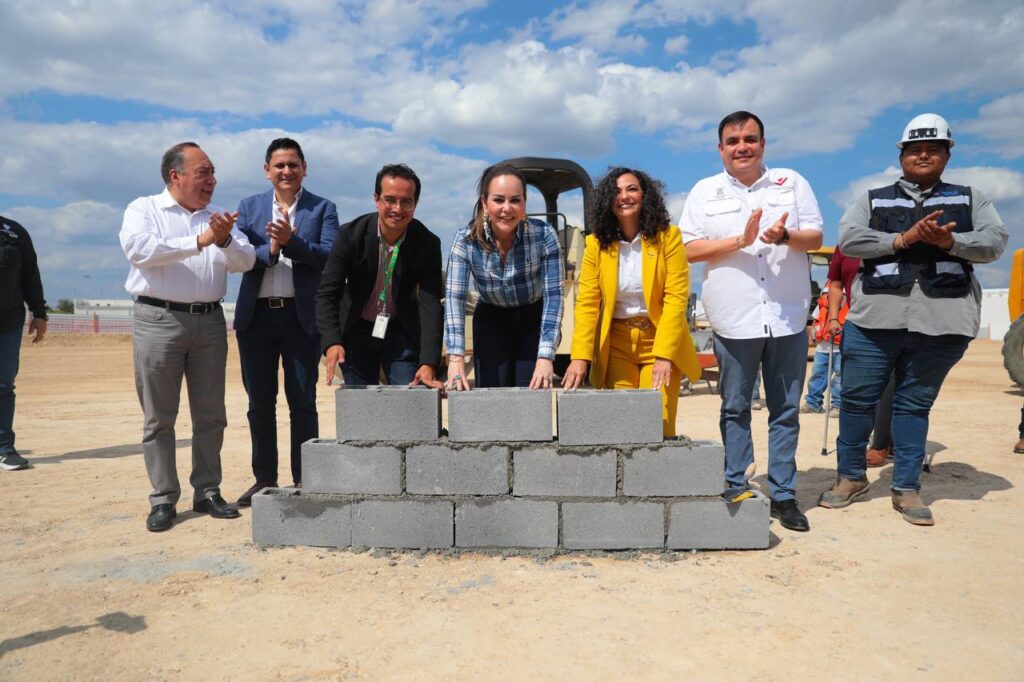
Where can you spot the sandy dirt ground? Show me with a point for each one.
(87, 593)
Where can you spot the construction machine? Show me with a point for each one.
(1013, 341)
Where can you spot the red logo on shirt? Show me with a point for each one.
(781, 181)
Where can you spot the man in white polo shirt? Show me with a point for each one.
(753, 227)
(181, 249)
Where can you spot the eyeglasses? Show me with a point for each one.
(406, 204)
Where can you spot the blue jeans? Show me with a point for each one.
(10, 349)
(921, 363)
(275, 338)
(815, 397)
(783, 363)
(397, 354)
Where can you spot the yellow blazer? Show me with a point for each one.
(666, 274)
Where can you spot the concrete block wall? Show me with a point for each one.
(510, 495)
(499, 480)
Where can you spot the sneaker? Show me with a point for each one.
(915, 511)
(805, 409)
(878, 456)
(844, 492)
(12, 461)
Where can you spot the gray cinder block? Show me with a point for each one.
(407, 524)
(674, 471)
(543, 471)
(290, 517)
(506, 523)
(382, 413)
(591, 417)
(499, 414)
(332, 467)
(711, 523)
(613, 525)
(443, 470)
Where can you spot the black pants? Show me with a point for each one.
(505, 344)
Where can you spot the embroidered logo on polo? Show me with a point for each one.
(781, 181)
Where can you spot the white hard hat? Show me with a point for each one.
(927, 127)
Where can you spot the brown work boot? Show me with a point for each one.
(878, 456)
(844, 492)
(908, 503)
(1019, 447)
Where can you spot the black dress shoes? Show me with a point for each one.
(246, 499)
(790, 516)
(160, 517)
(215, 506)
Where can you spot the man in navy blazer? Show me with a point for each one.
(275, 317)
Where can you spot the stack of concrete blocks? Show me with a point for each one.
(500, 479)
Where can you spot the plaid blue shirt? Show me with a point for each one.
(533, 269)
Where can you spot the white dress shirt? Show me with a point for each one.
(158, 236)
(277, 280)
(629, 299)
(764, 289)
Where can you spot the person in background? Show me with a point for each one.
(630, 317)
(828, 344)
(20, 285)
(516, 264)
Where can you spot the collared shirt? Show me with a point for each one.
(629, 299)
(158, 236)
(916, 312)
(277, 279)
(532, 270)
(373, 305)
(764, 289)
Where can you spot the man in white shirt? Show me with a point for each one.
(181, 249)
(753, 226)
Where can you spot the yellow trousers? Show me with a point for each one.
(630, 365)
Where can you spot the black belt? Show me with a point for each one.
(275, 302)
(193, 308)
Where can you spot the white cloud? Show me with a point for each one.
(1000, 122)
(998, 184)
(677, 44)
(818, 73)
(598, 25)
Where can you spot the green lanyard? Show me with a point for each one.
(389, 271)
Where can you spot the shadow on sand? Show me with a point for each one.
(115, 622)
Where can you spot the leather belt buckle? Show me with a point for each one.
(638, 322)
(275, 302)
(199, 308)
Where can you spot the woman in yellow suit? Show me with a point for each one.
(630, 324)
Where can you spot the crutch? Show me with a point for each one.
(828, 394)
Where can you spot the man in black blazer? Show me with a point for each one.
(275, 320)
(379, 302)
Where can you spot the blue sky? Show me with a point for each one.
(92, 92)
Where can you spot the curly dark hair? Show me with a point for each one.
(653, 214)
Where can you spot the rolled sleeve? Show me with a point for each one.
(552, 274)
(455, 292)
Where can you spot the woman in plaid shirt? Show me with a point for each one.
(516, 265)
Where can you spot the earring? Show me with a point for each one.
(487, 221)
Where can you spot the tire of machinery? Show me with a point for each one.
(1013, 351)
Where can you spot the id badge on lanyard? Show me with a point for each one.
(380, 324)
